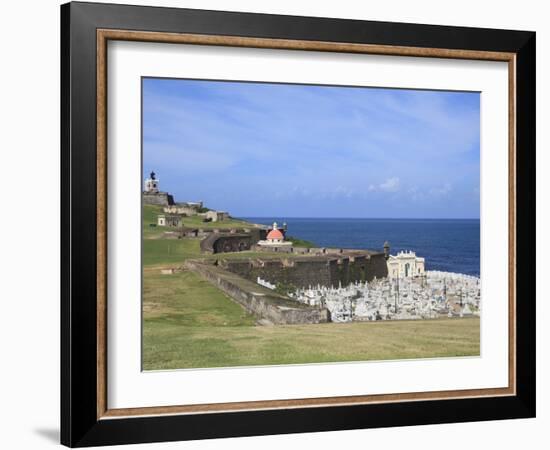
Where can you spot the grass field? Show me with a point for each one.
(188, 323)
(169, 252)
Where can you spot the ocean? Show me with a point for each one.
(450, 245)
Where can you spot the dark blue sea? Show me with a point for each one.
(450, 245)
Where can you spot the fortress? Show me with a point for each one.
(324, 267)
(273, 267)
(152, 194)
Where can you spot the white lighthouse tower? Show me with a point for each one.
(152, 184)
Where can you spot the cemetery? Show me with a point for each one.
(437, 294)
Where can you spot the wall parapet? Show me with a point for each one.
(257, 299)
(310, 270)
(157, 198)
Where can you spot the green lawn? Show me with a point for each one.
(297, 242)
(188, 323)
(169, 252)
(197, 222)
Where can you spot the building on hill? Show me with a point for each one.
(216, 216)
(184, 208)
(275, 238)
(152, 184)
(152, 195)
(169, 220)
(405, 265)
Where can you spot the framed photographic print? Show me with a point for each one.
(276, 224)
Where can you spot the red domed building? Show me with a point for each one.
(275, 238)
(275, 235)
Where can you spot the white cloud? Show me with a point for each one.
(390, 185)
(441, 190)
(342, 191)
(416, 194)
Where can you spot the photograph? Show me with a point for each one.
(307, 224)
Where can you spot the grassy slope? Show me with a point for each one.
(297, 242)
(169, 252)
(189, 323)
(150, 213)
(171, 346)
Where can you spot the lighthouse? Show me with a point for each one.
(152, 184)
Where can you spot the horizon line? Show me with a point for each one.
(371, 218)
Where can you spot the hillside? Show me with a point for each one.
(150, 213)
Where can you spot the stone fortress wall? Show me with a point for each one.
(266, 305)
(234, 240)
(324, 269)
(157, 198)
(182, 209)
(220, 243)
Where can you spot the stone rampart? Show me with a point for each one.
(157, 198)
(302, 272)
(181, 208)
(226, 242)
(234, 240)
(258, 300)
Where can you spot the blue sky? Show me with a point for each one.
(266, 150)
